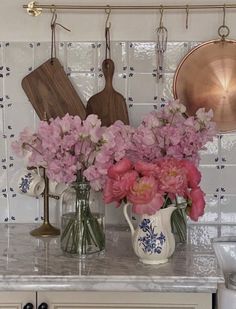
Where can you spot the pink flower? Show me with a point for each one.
(146, 169)
(193, 174)
(143, 190)
(117, 189)
(172, 176)
(151, 208)
(198, 204)
(120, 168)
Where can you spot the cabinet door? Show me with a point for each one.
(17, 300)
(124, 300)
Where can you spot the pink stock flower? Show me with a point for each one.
(196, 209)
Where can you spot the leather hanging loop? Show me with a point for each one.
(53, 34)
(161, 46)
(107, 33)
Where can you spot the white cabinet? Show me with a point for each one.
(125, 300)
(104, 300)
(18, 300)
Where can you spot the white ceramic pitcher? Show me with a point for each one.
(153, 240)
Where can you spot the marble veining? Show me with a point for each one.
(27, 263)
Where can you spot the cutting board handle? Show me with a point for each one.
(108, 68)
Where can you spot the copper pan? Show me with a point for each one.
(206, 77)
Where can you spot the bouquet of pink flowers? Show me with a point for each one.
(152, 186)
(70, 148)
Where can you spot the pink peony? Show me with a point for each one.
(116, 190)
(193, 174)
(120, 168)
(172, 176)
(143, 190)
(151, 208)
(198, 204)
(146, 169)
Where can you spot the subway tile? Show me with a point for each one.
(142, 57)
(211, 179)
(85, 84)
(81, 56)
(227, 230)
(228, 178)
(141, 88)
(13, 89)
(118, 55)
(18, 56)
(210, 152)
(42, 53)
(174, 53)
(165, 87)
(211, 212)
(228, 148)
(228, 208)
(137, 112)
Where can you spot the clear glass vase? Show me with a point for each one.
(82, 221)
(179, 225)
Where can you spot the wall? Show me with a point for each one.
(25, 45)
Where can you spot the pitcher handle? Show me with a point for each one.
(127, 218)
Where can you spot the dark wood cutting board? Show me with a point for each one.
(49, 90)
(108, 104)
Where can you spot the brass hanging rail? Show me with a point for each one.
(34, 8)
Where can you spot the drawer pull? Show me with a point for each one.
(28, 306)
(43, 306)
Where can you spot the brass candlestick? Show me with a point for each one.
(46, 229)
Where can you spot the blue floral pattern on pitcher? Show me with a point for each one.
(151, 242)
(25, 183)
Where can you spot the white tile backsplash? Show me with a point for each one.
(139, 93)
(135, 65)
(81, 56)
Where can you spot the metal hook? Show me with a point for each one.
(224, 14)
(108, 12)
(161, 17)
(223, 30)
(187, 13)
(54, 16)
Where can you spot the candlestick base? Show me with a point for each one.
(45, 230)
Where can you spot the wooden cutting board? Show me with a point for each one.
(49, 90)
(108, 104)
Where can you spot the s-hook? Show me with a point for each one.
(53, 35)
(223, 30)
(187, 13)
(162, 35)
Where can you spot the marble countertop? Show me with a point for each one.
(27, 263)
